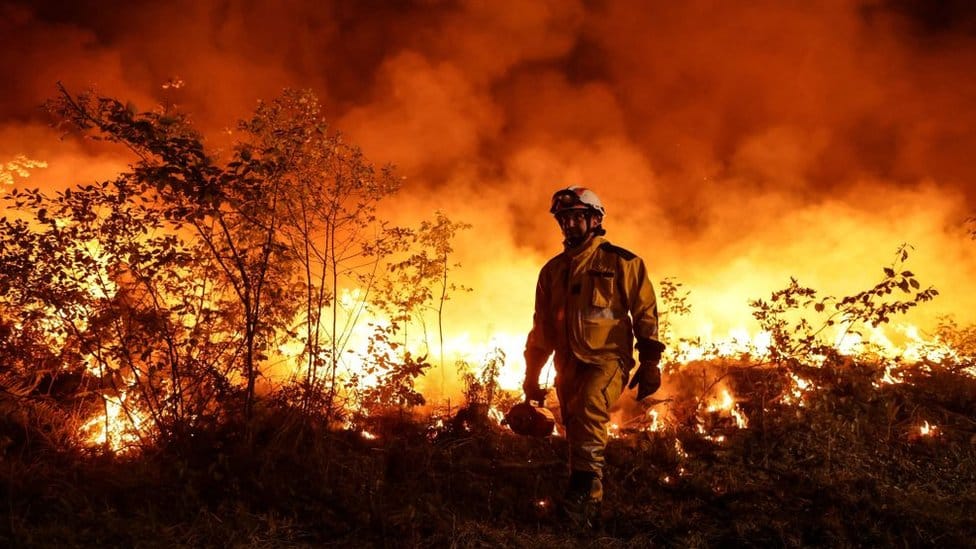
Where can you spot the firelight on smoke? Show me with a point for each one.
(724, 163)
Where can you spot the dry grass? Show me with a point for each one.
(848, 468)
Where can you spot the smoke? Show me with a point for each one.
(733, 146)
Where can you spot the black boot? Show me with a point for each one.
(581, 505)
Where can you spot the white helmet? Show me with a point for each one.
(576, 198)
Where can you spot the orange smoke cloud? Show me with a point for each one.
(734, 146)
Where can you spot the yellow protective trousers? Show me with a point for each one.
(586, 392)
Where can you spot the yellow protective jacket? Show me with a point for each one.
(591, 302)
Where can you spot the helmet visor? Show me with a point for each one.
(566, 200)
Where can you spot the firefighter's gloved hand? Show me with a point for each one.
(647, 379)
(533, 391)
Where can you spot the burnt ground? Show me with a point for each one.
(848, 468)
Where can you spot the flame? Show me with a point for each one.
(654, 425)
(927, 430)
(496, 415)
(119, 428)
(741, 421)
(445, 91)
(739, 342)
(915, 347)
(736, 343)
(442, 382)
(727, 404)
(797, 390)
(891, 374)
(465, 346)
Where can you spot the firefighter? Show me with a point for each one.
(592, 302)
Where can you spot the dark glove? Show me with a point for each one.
(533, 391)
(647, 379)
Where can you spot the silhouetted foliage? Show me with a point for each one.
(798, 321)
(481, 386)
(167, 294)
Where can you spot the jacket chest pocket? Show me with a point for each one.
(602, 289)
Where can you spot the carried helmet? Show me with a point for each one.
(576, 198)
(528, 419)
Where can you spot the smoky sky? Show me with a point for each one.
(704, 100)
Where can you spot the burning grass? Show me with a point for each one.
(860, 462)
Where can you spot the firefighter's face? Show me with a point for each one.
(575, 223)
